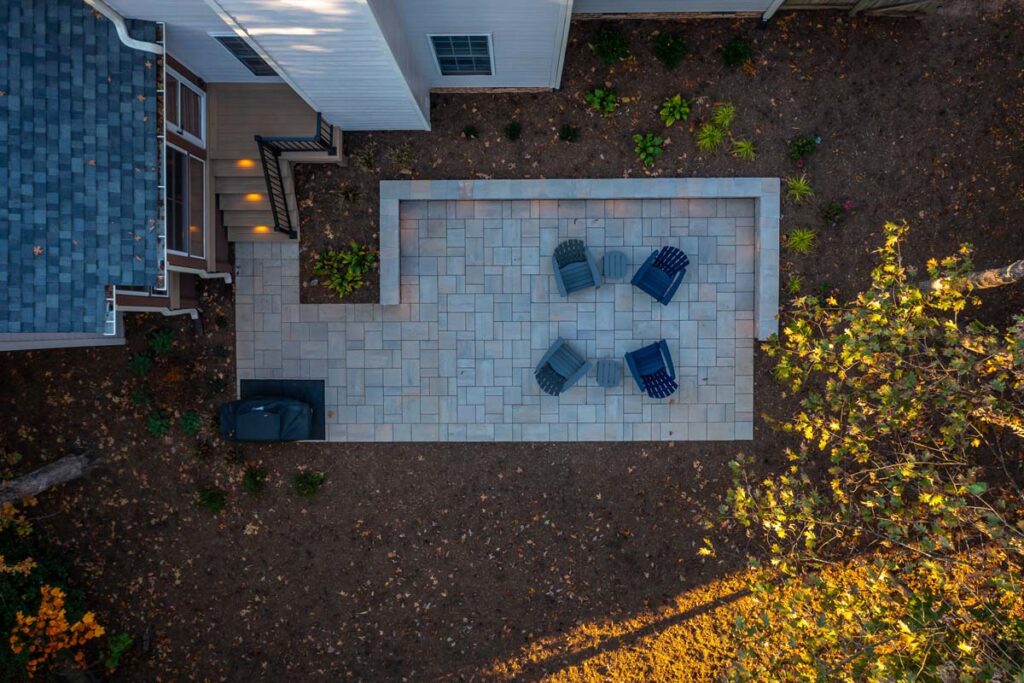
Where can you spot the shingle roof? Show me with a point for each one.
(78, 165)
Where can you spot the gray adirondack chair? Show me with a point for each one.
(560, 368)
(575, 267)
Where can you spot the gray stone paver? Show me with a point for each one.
(454, 360)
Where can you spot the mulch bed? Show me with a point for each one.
(433, 561)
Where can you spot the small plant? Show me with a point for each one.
(710, 137)
(802, 147)
(795, 284)
(117, 646)
(221, 351)
(513, 131)
(402, 156)
(470, 132)
(675, 108)
(158, 423)
(366, 156)
(140, 364)
(345, 271)
(190, 423)
(350, 194)
(669, 49)
(833, 213)
(722, 115)
(743, 149)
(801, 240)
(307, 483)
(648, 147)
(140, 396)
(602, 100)
(568, 133)
(798, 188)
(735, 52)
(161, 342)
(611, 46)
(212, 499)
(217, 385)
(254, 480)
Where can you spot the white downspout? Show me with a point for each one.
(122, 29)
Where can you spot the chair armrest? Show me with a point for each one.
(667, 358)
(593, 266)
(642, 270)
(631, 364)
(671, 291)
(577, 376)
(547, 356)
(558, 277)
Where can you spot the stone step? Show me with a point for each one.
(241, 185)
(253, 201)
(236, 168)
(248, 218)
(254, 234)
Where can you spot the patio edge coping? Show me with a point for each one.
(764, 192)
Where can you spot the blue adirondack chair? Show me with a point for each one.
(575, 267)
(662, 273)
(653, 370)
(560, 368)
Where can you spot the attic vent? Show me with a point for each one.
(244, 53)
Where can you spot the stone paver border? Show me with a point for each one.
(764, 192)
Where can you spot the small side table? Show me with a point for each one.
(614, 265)
(609, 372)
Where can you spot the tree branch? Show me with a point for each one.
(68, 468)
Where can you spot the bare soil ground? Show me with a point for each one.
(448, 562)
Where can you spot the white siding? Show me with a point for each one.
(189, 23)
(335, 54)
(527, 36)
(627, 6)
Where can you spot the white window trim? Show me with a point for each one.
(176, 128)
(189, 156)
(437, 62)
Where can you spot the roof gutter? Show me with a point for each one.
(122, 29)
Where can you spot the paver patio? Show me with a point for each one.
(454, 360)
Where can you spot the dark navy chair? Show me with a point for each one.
(560, 368)
(575, 267)
(653, 370)
(662, 273)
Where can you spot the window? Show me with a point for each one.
(185, 107)
(244, 53)
(186, 206)
(463, 55)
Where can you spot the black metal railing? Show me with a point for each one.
(271, 148)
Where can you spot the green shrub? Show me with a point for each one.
(801, 240)
(158, 423)
(513, 131)
(190, 423)
(402, 156)
(722, 115)
(254, 480)
(307, 483)
(675, 108)
(140, 364)
(161, 342)
(669, 49)
(648, 147)
(350, 194)
(366, 156)
(798, 188)
(744, 149)
(568, 133)
(611, 46)
(602, 100)
(710, 137)
(470, 133)
(117, 645)
(802, 147)
(735, 52)
(343, 272)
(833, 213)
(212, 499)
(795, 284)
(217, 385)
(140, 396)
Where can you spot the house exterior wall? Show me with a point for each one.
(527, 38)
(188, 27)
(336, 55)
(672, 6)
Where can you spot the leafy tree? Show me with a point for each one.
(896, 534)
